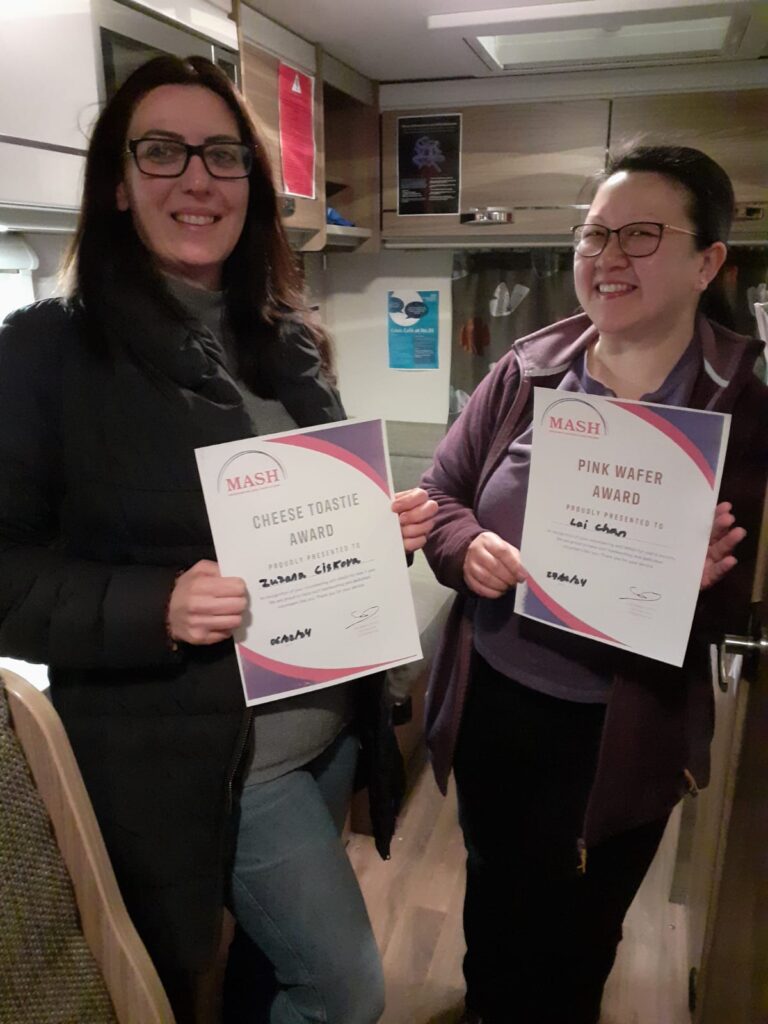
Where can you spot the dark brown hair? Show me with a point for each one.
(709, 199)
(261, 278)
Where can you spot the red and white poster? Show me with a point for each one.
(297, 131)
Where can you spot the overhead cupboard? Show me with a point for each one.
(520, 165)
(529, 158)
(343, 134)
(731, 127)
(533, 161)
(61, 62)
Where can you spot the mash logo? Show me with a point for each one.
(574, 416)
(250, 471)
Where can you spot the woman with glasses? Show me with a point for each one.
(185, 326)
(570, 755)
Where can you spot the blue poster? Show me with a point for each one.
(413, 330)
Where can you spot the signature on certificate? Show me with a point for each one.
(363, 616)
(636, 594)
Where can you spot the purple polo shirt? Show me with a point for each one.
(550, 660)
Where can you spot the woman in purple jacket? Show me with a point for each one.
(562, 746)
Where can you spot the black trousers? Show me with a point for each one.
(541, 936)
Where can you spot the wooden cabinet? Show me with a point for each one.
(260, 70)
(731, 127)
(352, 166)
(533, 157)
(346, 122)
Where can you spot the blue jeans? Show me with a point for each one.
(296, 900)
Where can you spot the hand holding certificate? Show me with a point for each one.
(305, 518)
(618, 519)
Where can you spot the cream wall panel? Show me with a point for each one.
(210, 18)
(355, 311)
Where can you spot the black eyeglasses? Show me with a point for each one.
(167, 158)
(640, 238)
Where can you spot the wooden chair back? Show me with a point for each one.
(130, 977)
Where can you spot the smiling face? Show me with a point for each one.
(192, 223)
(651, 297)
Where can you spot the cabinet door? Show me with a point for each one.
(48, 73)
(534, 157)
(35, 177)
(352, 162)
(733, 963)
(260, 85)
(731, 127)
(212, 18)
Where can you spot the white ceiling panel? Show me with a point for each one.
(390, 41)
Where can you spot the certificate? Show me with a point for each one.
(304, 518)
(618, 518)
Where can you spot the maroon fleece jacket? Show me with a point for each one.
(660, 718)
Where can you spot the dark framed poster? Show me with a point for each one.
(428, 165)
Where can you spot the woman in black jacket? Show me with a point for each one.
(185, 315)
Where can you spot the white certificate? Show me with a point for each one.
(618, 518)
(304, 518)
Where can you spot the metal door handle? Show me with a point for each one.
(745, 645)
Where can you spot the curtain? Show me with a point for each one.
(502, 295)
(498, 297)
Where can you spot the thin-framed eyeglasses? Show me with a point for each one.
(169, 158)
(640, 238)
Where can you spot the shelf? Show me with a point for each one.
(332, 188)
(299, 238)
(345, 238)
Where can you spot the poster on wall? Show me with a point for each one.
(296, 94)
(413, 329)
(428, 165)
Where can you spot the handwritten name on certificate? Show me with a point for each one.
(618, 518)
(304, 518)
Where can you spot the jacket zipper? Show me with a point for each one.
(521, 400)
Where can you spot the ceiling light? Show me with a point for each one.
(611, 33)
(576, 13)
(705, 35)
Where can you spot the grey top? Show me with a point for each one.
(550, 660)
(291, 732)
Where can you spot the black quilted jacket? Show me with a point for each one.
(100, 507)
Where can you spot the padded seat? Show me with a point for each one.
(69, 953)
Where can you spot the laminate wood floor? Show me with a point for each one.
(415, 900)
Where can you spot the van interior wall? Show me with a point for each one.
(50, 249)
(352, 289)
(21, 287)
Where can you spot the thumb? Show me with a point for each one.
(205, 567)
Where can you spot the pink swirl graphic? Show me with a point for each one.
(314, 444)
(565, 617)
(314, 675)
(675, 435)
